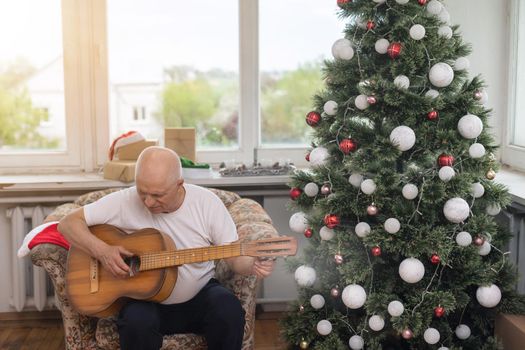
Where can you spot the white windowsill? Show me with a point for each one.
(10, 185)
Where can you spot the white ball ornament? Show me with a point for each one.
(485, 249)
(462, 331)
(477, 190)
(417, 32)
(395, 308)
(444, 16)
(476, 150)
(319, 156)
(376, 323)
(493, 209)
(488, 296)
(379, 1)
(317, 301)
(433, 94)
(456, 210)
(411, 270)
(446, 173)
(342, 49)
(324, 327)
(311, 189)
(403, 137)
(353, 296)
(361, 102)
(355, 179)
(305, 276)
(434, 7)
(298, 222)
(431, 336)
(410, 191)
(392, 225)
(381, 46)
(462, 63)
(356, 342)
(443, 348)
(402, 82)
(441, 75)
(484, 97)
(445, 32)
(362, 229)
(326, 233)
(368, 186)
(330, 107)
(464, 239)
(402, 2)
(470, 126)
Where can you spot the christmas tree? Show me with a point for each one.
(399, 202)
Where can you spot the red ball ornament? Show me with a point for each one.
(407, 334)
(433, 115)
(394, 49)
(376, 251)
(295, 193)
(307, 157)
(372, 210)
(370, 25)
(422, 2)
(478, 241)
(439, 311)
(313, 118)
(347, 145)
(341, 3)
(326, 189)
(308, 232)
(372, 100)
(435, 259)
(331, 220)
(445, 160)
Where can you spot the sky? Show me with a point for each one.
(146, 35)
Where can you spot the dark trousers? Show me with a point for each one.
(214, 312)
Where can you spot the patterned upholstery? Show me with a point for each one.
(86, 333)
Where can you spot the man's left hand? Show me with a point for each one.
(263, 267)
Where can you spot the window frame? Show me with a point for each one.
(511, 154)
(86, 93)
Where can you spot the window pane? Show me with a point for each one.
(295, 37)
(32, 109)
(175, 64)
(518, 136)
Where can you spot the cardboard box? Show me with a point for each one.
(510, 329)
(121, 170)
(132, 151)
(181, 140)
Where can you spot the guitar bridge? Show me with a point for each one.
(134, 264)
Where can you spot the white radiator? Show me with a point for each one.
(23, 273)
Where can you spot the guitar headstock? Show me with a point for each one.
(270, 247)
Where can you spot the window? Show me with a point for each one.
(233, 69)
(513, 152)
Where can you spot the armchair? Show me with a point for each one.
(83, 332)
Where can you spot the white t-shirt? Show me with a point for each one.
(202, 220)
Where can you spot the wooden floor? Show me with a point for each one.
(43, 331)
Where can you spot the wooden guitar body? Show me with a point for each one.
(93, 291)
(111, 293)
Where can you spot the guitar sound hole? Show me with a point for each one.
(134, 264)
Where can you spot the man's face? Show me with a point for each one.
(160, 198)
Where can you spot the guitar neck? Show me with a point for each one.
(159, 260)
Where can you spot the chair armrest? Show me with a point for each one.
(79, 330)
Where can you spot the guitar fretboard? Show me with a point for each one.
(152, 261)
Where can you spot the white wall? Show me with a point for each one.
(485, 25)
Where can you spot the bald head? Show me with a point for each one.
(158, 165)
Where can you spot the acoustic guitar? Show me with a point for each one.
(93, 291)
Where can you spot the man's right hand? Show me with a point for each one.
(111, 258)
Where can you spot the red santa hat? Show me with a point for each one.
(45, 233)
(124, 139)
